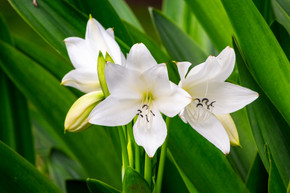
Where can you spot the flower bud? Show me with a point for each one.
(230, 128)
(77, 117)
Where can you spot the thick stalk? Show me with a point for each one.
(124, 148)
(148, 170)
(158, 185)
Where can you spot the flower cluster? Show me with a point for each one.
(140, 90)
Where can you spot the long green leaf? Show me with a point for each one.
(126, 13)
(242, 157)
(212, 16)
(258, 177)
(19, 176)
(91, 147)
(266, 59)
(49, 59)
(61, 168)
(281, 14)
(269, 128)
(16, 130)
(52, 20)
(201, 161)
(275, 182)
(179, 45)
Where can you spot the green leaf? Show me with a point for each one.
(190, 187)
(91, 147)
(96, 186)
(201, 161)
(212, 16)
(16, 130)
(242, 157)
(179, 12)
(258, 177)
(62, 167)
(104, 12)
(265, 8)
(126, 13)
(269, 128)
(77, 186)
(267, 62)
(275, 182)
(282, 36)
(48, 58)
(134, 182)
(179, 45)
(281, 14)
(52, 20)
(18, 175)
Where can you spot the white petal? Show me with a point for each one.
(114, 111)
(80, 54)
(111, 32)
(215, 69)
(228, 97)
(227, 60)
(153, 137)
(84, 79)
(139, 58)
(100, 39)
(157, 77)
(172, 102)
(210, 128)
(123, 82)
(182, 69)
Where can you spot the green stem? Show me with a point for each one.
(148, 169)
(137, 159)
(158, 185)
(124, 147)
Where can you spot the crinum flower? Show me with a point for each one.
(83, 54)
(212, 95)
(141, 88)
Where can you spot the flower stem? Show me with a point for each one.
(161, 162)
(137, 159)
(124, 147)
(148, 170)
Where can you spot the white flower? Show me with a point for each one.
(141, 88)
(83, 54)
(212, 95)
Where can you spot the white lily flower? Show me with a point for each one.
(83, 54)
(212, 95)
(141, 88)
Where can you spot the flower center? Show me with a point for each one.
(146, 113)
(201, 109)
(205, 103)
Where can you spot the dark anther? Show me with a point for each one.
(199, 104)
(152, 113)
(145, 106)
(141, 115)
(211, 104)
(205, 99)
(139, 111)
(198, 100)
(147, 118)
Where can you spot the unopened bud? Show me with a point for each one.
(77, 117)
(230, 128)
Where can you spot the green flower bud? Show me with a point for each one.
(77, 117)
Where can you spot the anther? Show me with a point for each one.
(145, 106)
(199, 104)
(147, 118)
(152, 113)
(139, 111)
